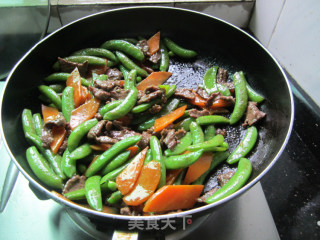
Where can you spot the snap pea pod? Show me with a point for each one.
(124, 108)
(148, 157)
(114, 198)
(253, 95)
(241, 93)
(224, 90)
(75, 195)
(97, 52)
(217, 158)
(130, 80)
(169, 107)
(45, 99)
(181, 147)
(130, 40)
(79, 132)
(129, 64)
(68, 166)
(112, 175)
(145, 106)
(245, 146)
(93, 192)
(52, 95)
(111, 105)
(235, 183)
(157, 156)
(124, 71)
(27, 122)
(80, 152)
(209, 80)
(185, 123)
(206, 146)
(164, 61)
(212, 119)
(180, 177)
(67, 103)
(182, 161)
(37, 163)
(104, 158)
(178, 50)
(116, 162)
(124, 46)
(141, 117)
(63, 77)
(58, 88)
(37, 123)
(109, 186)
(196, 133)
(97, 61)
(209, 132)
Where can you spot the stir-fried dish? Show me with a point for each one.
(112, 136)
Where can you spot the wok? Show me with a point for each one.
(216, 41)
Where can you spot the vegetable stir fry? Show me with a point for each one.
(112, 136)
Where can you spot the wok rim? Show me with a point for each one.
(182, 214)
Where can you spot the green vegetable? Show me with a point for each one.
(157, 156)
(27, 122)
(75, 195)
(52, 95)
(80, 152)
(130, 80)
(178, 50)
(116, 162)
(97, 52)
(93, 192)
(209, 132)
(196, 133)
(164, 62)
(148, 157)
(67, 103)
(185, 123)
(182, 161)
(63, 77)
(114, 198)
(68, 165)
(129, 64)
(208, 145)
(212, 119)
(109, 106)
(181, 147)
(81, 59)
(37, 123)
(112, 175)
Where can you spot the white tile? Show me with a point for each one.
(264, 19)
(296, 43)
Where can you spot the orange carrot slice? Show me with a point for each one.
(74, 80)
(166, 120)
(133, 151)
(173, 197)
(146, 185)
(154, 43)
(49, 113)
(58, 136)
(154, 79)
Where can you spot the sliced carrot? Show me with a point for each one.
(74, 80)
(133, 151)
(173, 197)
(49, 113)
(154, 79)
(85, 93)
(154, 43)
(100, 147)
(84, 112)
(127, 179)
(146, 184)
(198, 101)
(125, 120)
(220, 103)
(166, 120)
(58, 135)
(172, 175)
(198, 168)
(121, 82)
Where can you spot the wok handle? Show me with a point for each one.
(10, 180)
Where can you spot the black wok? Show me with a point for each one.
(216, 41)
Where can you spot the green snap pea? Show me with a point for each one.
(124, 46)
(79, 132)
(181, 147)
(80, 152)
(235, 183)
(130, 40)
(185, 123)
(104, 158)
(130, 81)
(217, 158)
(241, 93)
(182, 161)
(157, 156)
(58, 77)
(75, 195)
(124, 71)
(93, 192)
(38, 123)
(58, 88)
(109, 186)
(67, 103)
(178, 50)
(124, 108)
(27, 122)
(97, 52)
(245, 146)
(148, 157)
(196, 133)
(164, 62)
(114, 198)
(81, 59)
(116, 162)
(37, 163)
(139, 78)
(253, 95)
(208, 145)
(45, 99)
(111, 105)
(129, 64)
(68, 166)
(52, 95)
(112, 175)
(224, 90)
(212, 119)
(209, 132)
(209, 80)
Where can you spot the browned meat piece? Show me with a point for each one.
(222, 132)
(131, 211)
(119, 125)
(74, 183)
(155, 58)
(216, 96)
(46, 136)
(185, 93)
(203, 93)
(119, 93)
(253, 114)
(180, 133)
(140, 94)
(106, 139)
(170, 139)
(99, 93)
(144, 142)
(204, 197)
(98, 116)
(125, 211)
(120, 135)
(222, 75)
(143, 46)
(65, 140)
(155, 109)
(114, 74)
(107, 85)
(195, 113)
(225, 177)
(96, 130)
(151, 96)
(59, 122)
(67, 66)
(108, 126)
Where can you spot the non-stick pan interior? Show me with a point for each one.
(216, 42)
